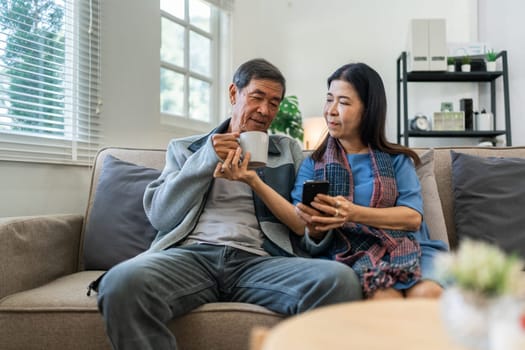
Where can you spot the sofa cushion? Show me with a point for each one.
(117, 227)
(60, 316)
(433, 213)
(489, 197)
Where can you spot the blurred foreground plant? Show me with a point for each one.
(482, 268)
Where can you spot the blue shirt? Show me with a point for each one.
(409, 195)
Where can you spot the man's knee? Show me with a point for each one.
(346, 286)
(350, 282)
(120, 285)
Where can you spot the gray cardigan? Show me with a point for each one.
(175, 201)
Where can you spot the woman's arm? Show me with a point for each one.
(406, 215)
(394, 218)
(235, 170)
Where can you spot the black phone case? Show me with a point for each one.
(312, 188)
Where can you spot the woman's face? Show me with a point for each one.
(343, 110)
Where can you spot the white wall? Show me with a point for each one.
(307, 39)
(33, 189)
(130, 75)
(501, 25)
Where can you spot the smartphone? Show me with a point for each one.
(312, 188)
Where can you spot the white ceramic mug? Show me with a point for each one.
(255, 142)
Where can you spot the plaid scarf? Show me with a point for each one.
(380, 257)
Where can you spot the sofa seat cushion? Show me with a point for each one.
(58, 314)
(65, 293)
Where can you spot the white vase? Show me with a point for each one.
(465, 67)
(466, 317)
(507, 331)
(491, 66)
(451, 68)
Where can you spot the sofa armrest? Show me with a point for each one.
(37, 249)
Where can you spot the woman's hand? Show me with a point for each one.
(332, 212)
(234, 169)
(392, 218)
(337, 206)
(319, 218)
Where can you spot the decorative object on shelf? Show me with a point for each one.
(465, 63)
(465, 105)
(447, 107)
(427, 41)
(484, 121)
(490, 58)
(448, 121)
(481, 277)
(289, 118)
(486, 143)
(451, 64)
(420, 123)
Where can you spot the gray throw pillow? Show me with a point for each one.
(117, 228)
(489, 197)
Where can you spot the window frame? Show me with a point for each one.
(219, 51)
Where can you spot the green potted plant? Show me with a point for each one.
(490, 58)
(289, 118)
(451, 64)
(465, 63)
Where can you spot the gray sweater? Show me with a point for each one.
(174, 201)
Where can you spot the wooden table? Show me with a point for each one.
(369, 325)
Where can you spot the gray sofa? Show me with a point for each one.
(43, 301)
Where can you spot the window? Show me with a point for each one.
(49, 80)
(191, 44)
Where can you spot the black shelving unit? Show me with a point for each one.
(404, 77)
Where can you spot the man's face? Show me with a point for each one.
(255, 106)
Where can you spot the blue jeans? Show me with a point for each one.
(139, 296)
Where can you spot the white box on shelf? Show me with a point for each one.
(470, 49)
(437, 44)
(418, 45)
(448, 121)
(427, 45)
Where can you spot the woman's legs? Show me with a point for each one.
(389, 293)
(424, 289)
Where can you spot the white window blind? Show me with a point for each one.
(49, 80)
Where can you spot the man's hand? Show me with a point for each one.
(225, 143)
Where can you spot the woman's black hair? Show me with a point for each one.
(369, 86)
